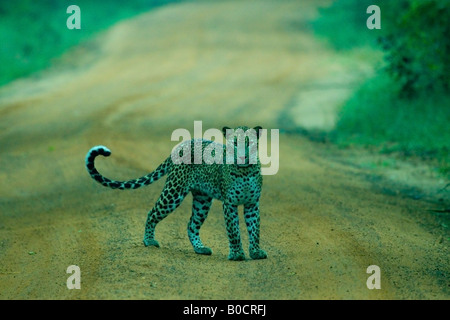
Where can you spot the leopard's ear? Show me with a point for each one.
(224, 131)
(258, 130)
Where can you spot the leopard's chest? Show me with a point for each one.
(243, 190)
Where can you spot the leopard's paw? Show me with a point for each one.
(236, 255)
(203, 250)
(151, 242)
(258, 254)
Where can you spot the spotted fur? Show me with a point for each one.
(236, 183)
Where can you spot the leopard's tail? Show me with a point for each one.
(130, 184)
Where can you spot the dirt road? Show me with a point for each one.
(326, 215)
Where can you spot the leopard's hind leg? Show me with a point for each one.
(171, 197)
(200, 208)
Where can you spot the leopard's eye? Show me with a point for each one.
(246, 141)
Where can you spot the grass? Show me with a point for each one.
(34, 33)
(377, 116)
(343, 24)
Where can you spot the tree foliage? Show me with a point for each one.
(417, 47)
(415, 36)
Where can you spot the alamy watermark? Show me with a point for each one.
(373, 281)
(241, 147)
(374, 21)
(74, 20)
(74, 281)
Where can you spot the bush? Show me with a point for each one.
(415, 35)
(343, 24)
(416, 127)
(404, 108)
(418, 47)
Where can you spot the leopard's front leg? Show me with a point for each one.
(251, 215)
(234, 236)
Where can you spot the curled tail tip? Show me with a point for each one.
(94, 152)
(104, 151)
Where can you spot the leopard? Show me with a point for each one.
(234, 178)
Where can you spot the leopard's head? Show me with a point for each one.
(242, 145)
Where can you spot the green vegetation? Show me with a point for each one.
(418, 47)
(377, 116)
(405, 107)
(343, 24)
(33, 33)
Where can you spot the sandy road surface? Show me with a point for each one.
(324, 219)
